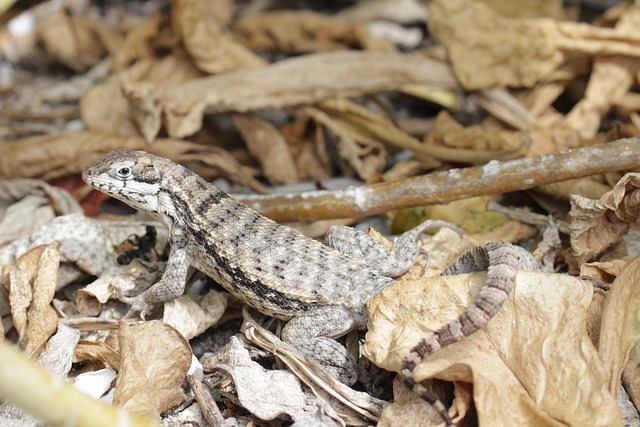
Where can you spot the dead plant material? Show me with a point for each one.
(288, 83)
(442, 187)
(68, 153)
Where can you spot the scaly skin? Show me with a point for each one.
(322, 291)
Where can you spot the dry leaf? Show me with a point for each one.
(443, 248)
(295, 81)
(32, 204)
(155, 360)
(72, 41)
(469, 214)
(304, 32)
(409, 410)
(488, 50)
(69, 152)
(192, 315)
(597, 224)
(210, 46)
(266, 394)
(308, 145)
(82, 241)
(32, 283)
(105, 109)
(510, 231)
(268, 146)
(590, 187)
(60, 348)
(488, 135)
(619, 332)
(532, 363)
(114, 282)
(611, 78)
(631, 379)
(97, 351)
(605, 271)
(137, 44)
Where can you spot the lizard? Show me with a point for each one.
(320, 289)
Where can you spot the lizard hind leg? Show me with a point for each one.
(313, 335)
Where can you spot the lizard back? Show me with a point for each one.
(273, 268)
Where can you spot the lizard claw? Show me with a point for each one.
(138, 305)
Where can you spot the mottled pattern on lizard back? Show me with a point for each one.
(245, 251)
(273, 268)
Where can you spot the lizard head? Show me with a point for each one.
(130, 176)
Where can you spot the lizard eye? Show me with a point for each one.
(122, 170)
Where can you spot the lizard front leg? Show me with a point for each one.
(172, 283)
(314, 332)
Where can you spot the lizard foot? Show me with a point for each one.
(138, 305)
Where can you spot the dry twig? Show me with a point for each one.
(455, 184)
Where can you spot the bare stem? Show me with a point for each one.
(454, 184)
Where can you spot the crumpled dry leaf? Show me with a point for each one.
(590, 187)
(269, 147)
(301, 80)
(191, 315)
(361, 134)
(305, 31)
(267, 394)
(69, 152)
(104, 108)
(631, 379)
(86, 245)
(610, 79)
(31, 284)
(487, 135)
(62, 201)
(32, 204)
(619, 333)
(510, 231)
(60, 347)
(308, 145)
(532, 363)
(605, 271)
(138, 42)
(487, 50)
(82, 241)
(597, 224)
(77, 42)
(409, 410)
(155, 361)
(211, 47)
(115, 282)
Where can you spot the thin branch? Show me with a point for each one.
(455, 184)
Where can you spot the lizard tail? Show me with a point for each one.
(501, 260)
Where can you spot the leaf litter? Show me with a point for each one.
(401, 98)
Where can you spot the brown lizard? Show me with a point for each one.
(321, 290)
